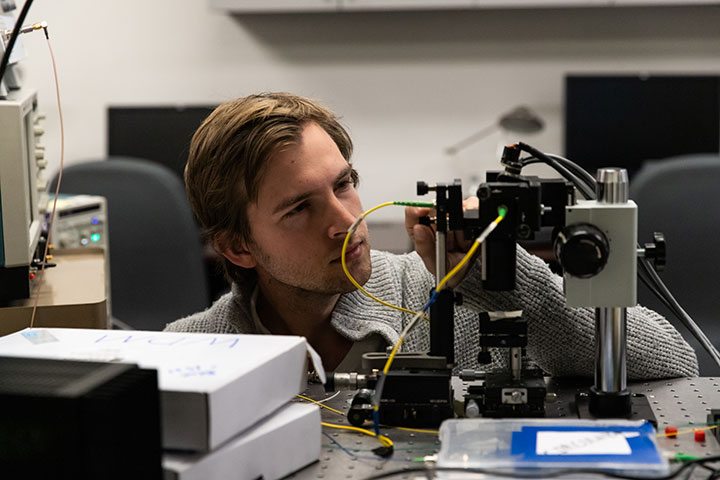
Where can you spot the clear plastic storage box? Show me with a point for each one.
(539, 446)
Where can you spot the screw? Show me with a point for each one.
(524, 230)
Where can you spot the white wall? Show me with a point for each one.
(407, 84)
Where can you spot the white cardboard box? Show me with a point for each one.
(273, 448)
(213, 386)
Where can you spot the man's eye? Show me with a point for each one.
(299, 208)
(344, 184)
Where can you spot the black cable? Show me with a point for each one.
(560, 168)
(650, 286)
(644, 274)
(681, 314)
(535, 474)
(13, 38)
(691, 471)
(662, 294)
(565, 173)
(660, 290)
(587, 191)
(576, 169)
(713, 471)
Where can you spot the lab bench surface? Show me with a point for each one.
(681, 402)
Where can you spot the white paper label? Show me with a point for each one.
(582, 443)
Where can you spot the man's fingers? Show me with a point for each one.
(463, 243)
(412, 217)
(456, 242)
(424, 240)
(471, 203)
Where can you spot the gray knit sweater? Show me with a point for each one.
(560, 339)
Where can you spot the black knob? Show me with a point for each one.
(360, 408)
(656, 251)
(484, 192)
(422, 188)
(484, 357)
(582, 250)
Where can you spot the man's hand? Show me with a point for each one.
(424, 239)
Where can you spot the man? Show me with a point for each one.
(270, 179)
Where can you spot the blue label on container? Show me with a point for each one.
(578, 444)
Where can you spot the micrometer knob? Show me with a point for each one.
(656, 251)
(582, 250)
(422, 188)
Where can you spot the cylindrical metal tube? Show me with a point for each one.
(440, 256)
(610, 351)
(350, 381)
(612, 185)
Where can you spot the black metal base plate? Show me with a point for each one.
(641, 409)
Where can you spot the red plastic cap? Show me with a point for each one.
(700, 436)
(671, 432)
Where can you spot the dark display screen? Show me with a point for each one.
(160, 134)
(621, 121)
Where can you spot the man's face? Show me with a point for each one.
(306, 204)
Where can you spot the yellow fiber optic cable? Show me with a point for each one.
(385, 441)
(350, 232)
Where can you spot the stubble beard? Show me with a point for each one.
(301, 283)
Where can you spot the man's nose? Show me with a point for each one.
(340, 218)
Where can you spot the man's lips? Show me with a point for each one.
(351, 249)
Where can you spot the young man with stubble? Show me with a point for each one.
(271, 181)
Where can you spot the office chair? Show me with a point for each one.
(680, 197)
(157, 272)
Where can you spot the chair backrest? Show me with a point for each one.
(680, 197)
(157, 272)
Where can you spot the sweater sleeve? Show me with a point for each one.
(561, 339)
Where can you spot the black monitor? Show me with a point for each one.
(158, 133)
(623, 120)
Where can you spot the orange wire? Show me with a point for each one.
(57, 188)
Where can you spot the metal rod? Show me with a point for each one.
(440, 256)
(610, 349)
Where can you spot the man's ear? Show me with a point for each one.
(235, 250)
